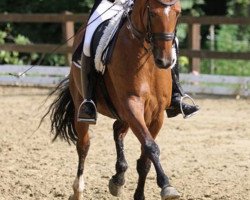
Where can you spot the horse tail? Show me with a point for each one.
(62, 113)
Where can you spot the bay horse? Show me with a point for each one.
(139, 83)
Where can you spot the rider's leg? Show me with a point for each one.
(177, 106)
(87, 110)
(101, 11)
(96, 4)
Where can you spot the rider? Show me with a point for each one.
(87, 111)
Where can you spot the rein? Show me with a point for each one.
(149, 36)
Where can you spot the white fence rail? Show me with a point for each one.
(216, 84)
(45, 76)
(202, 84)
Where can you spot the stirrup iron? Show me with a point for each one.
(181, 105)
(87, 120)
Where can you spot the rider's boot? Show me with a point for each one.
(87, 110)
(178, 95)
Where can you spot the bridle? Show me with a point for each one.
(149, 36)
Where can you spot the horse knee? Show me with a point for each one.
(152, 150)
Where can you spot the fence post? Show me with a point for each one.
(68, 32)
(194, 37)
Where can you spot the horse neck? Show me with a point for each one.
(138, 14)
(138, 55)
(135, 43)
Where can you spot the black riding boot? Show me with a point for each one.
(178, 95)
(87, 110)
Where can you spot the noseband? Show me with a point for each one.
(151, 37)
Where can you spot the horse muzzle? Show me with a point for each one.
(163, 62)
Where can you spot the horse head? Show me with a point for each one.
(156, 23)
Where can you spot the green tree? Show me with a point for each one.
(36, 33)
(233, 38)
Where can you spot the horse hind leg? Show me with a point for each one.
(82, 147)
(118, 180)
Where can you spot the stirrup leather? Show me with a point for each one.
(185, 96)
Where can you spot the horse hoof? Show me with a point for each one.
(114, 189)
(168, 193)
(72, 197)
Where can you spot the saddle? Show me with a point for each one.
(106, 52)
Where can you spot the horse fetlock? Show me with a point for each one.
(119, 179)
(139, 195)
(121, 166)
(79, 185)
(168, 193)
(76, 197)
(143, 166)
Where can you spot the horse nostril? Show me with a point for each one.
(163, 63)
(159, 62)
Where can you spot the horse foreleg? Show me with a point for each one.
(144, 163)
(117, 181)
(143, 167)
(82, 147)
(167, 191)
(149, 147)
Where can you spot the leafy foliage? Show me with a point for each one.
(232, 38)
(229, 38)
(7, 57)
(44, 6)
(238, 8)
(37, 33)
(225, 67)
(192, 7)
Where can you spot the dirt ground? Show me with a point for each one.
(207, 157)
